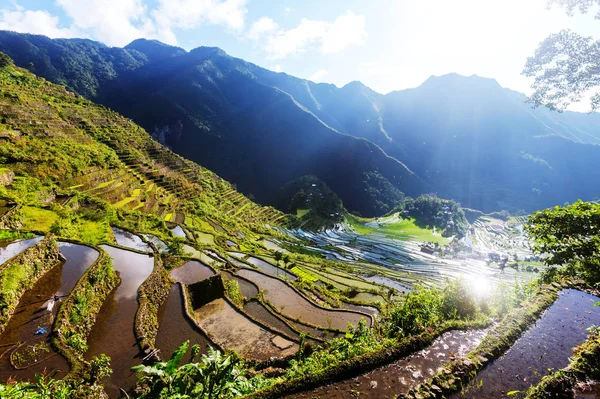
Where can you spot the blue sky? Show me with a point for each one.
(386, 44)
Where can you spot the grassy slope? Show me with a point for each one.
(54, 140)
(405, 229)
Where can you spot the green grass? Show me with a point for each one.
(405, 230)
(103, 185)
(124, 201)
(204, 238)
(305, 275)
(12, 277)
(301, 212)
(93, 232)
(11, 235)
(359, 224)
(346, 281)
(34, 218)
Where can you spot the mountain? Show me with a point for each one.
(55, 141)
(213, 109)
(464, 138)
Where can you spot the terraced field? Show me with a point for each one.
(295, 306)
(232, 329)
(191, 272)
(400, 264)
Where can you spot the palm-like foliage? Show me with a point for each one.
(45, 387)
(214, 376)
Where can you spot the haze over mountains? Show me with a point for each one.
(464, 138)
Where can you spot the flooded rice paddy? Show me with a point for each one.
(112, 333)
(231, 329)
(398, 377)
(546, 345)
(10, 249)
(130, 240)
(296, 306)
(191, 272)
(399, 263)
(158, 243)
(271, 269)
(36, 354)
(259, 312)
(179, 232)
(175, 326)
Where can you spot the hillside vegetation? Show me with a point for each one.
(261, 130)
(59, 144)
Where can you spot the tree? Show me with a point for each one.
(570, 236)
(5, 60)
(286, 260)
(566, 65)
(278, 256)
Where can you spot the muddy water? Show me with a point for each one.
(257, 310)
(248, 289)
(175, 327)
(292, 304)
(361, 308)
(191, 272)
(8, 249)
(129, 240)
(234, 331)
(32, 314)
(271, 269)
(548, 344)
(113, 332)
(398, 377)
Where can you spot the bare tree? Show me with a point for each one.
(566, 65)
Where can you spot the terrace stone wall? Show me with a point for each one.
(206, 291)
(6, 177)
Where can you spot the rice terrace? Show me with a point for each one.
(178, 223)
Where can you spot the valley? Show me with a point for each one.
(127, 270)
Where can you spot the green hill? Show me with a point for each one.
(58, 143)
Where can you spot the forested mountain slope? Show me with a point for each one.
(54, 140)
(464, 138)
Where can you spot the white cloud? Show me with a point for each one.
(114, 22)
(37, 22)
(276, 68)
(263, 26)
(329, 37)
(189, 14)
(346, 30)
(118, 22)
(317, 76)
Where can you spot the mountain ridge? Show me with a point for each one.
(262, 129)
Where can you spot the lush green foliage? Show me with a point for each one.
(310, 194)
(45, 387)
(214, 376)
(430, 211)
(426, 307)
(232, 289)
(569, 235)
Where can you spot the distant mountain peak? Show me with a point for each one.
(357, 85)
(154, 49)
(205, 52)
(465, 82)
